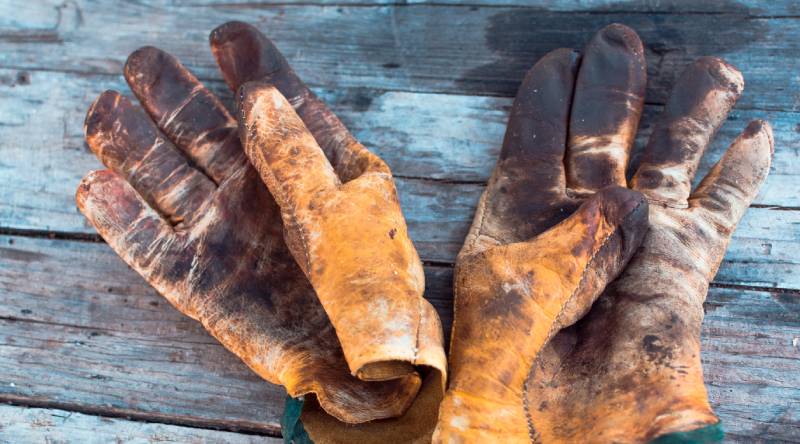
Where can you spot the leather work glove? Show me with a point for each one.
(629, 370)
(181, 205)
(344, 226)
(547, 237)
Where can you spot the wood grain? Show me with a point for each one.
(441, 148)
(22, 425)
(128, 352)
(750, 8)
(425, 48)
(426, 84)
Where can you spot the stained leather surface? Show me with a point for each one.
(181, 204)
(536, 358)
(268, 258)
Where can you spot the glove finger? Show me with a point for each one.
(280, 147)
(127, 142)
(134, 230)
(613, 73)
(535, 140)
(524, 194)
(699, 104)
(728, 189)
(189, 114)
(244, 54)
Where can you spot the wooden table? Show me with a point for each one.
(90, 353)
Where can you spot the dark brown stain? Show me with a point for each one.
(23, 78)
(651, 179)
(594, 171)
(505, 305)
(505, 377)
(392, 233)
(753, 128)
(543, 406)
(656, 351)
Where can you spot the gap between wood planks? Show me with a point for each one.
(123, 322)
(95, 238)
(36, 425)
(242, 427)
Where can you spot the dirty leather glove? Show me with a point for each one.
(544, 242)
(346, 231)
(344, 227)
(630, 371)
(183, 207)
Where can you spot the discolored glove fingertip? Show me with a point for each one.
(97, 116)
(724, 73)
(733, 183)
(244, 54)
(710, 85)
(105, 200)
(619, 35)
(160, 82)
(143, 67)
(84, 192)
(757, 149)
(761, 130)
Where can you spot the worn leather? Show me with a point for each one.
(522, 369)
(630, 371)
(341, 213)
(347, 229)
(181, 205)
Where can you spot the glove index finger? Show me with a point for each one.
(278, 144)
(244, 54)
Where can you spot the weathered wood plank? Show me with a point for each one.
(751, 357)
(23, 425)
(480, 50)
(750, 8)
(447, 137)
(78, 328)
(439, 136)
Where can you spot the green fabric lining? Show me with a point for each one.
(706, 435)
(291, 425)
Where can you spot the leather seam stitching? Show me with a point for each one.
(532, 434)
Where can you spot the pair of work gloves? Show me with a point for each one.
(578, 300)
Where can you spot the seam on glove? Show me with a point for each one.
(665, 203)
(482, 211)
(532, 434)
(293, 216)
